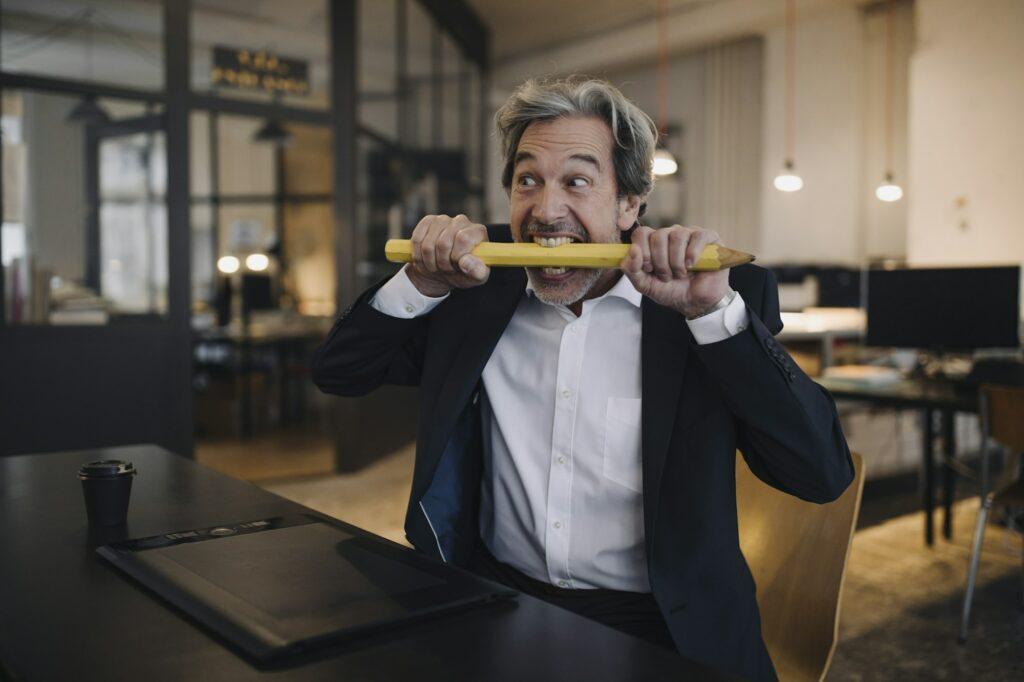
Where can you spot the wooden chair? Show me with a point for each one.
(797, 552)
(1002, 420)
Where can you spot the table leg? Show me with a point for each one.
(283, 388)
(928, 492)
(246, 407)
(948, 471)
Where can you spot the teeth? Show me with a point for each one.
(552, 241)
(555, 271)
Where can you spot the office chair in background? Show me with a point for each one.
(1002, 420)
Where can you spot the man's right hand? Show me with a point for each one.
(441, 255)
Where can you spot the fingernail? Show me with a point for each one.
(689, 263)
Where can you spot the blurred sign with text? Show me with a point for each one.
(259, 70)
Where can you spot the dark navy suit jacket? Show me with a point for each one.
(700, 403)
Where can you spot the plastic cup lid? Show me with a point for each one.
(106, 468)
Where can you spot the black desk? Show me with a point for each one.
(931, 398)
(292, 340)
(66, 614)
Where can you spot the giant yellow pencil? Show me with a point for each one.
(503, 254)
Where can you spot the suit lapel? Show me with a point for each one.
(665, 344)
(485, 323)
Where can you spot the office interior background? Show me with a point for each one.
(192, 192)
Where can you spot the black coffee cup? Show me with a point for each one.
(107, 486)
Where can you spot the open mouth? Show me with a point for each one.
(552, 242)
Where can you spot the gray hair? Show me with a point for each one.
(633, 131)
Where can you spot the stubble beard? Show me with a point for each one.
(579, 283)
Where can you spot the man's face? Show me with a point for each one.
(564, 189)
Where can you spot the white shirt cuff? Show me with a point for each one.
(722, 324)
(399, 297)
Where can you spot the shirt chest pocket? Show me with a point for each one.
(622, 443)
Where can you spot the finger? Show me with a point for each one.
(418, 234)
(640, 280)
(677, 243)
(445, 243)
(429, 246)
(633, 261)
(466, 239)
(659, 255)
(641, 237)
(474, 268)
(700, 239)
(634, 270)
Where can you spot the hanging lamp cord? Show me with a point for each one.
(790, 79)
(662, 106)
(888, 88)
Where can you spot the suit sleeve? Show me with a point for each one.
(367, 348)
(789, 430)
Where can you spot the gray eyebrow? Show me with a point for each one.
(523, 156)
(587, 158)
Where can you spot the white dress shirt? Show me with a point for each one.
(561, 495)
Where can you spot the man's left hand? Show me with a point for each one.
(658, 265)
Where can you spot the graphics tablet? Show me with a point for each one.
(282, 585)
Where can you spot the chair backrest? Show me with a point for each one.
(797, 553)
(1003, 408)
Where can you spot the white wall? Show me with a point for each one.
(967, 133)
(821, 221)
(884, 224)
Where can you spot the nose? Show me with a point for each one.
(550, 207)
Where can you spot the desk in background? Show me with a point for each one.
(68, 615)
(820, 328)
(289, 339)
(943, 398)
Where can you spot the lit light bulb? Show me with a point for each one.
(664, 162)
(227, 264)
(888, 190)
(787, 180)
(257, 262)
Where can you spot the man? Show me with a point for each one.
(578, 427)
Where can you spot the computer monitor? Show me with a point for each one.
(257, 292)
(944, 308)
(838, 287)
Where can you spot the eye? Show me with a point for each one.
(578, 181)
(526, 181)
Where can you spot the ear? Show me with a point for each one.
(629, 211)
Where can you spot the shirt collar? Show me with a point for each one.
(623, 289)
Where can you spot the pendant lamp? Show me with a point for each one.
(788, 180)
(664, 160)
(888, 191)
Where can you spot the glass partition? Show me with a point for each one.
(377, 62)
(85, 218)
(263, 52)
(113, 42)
(265, 199)
(419, 117)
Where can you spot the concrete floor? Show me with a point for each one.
(901, 600)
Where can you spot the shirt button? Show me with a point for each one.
(558, 524)
(566, 393)
(561, 460)
(562, 583)
(409, 309)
